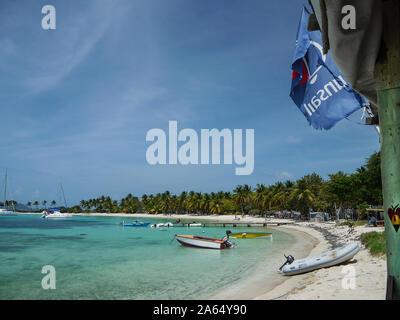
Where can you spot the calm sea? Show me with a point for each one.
(96, 258)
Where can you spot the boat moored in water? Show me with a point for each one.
(247, 235)
(4, 212)
(135, 224)
(7, 213)
(54, 213)
(204, 242)
(194, 225)
(159, 225)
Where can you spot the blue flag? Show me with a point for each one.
(318, 88)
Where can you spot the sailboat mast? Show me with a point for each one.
(62, 190)
(5, 189)
(61, 193)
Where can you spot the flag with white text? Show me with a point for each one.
(318, 88)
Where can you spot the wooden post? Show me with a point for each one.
(387, 75)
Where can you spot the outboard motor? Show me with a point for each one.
(289, 260)
(226, 241)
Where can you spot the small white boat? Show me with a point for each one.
(194, 225)
(159, 225)
(54, 213)
(204, 242)
(7, 213)
(323, 260)
(4, 212)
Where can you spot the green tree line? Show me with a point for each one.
(311, 192)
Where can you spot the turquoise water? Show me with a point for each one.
(96, 258)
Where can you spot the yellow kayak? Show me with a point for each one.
(246, 235)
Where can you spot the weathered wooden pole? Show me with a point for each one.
(387, 74)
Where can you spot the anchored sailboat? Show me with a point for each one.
(4, 210)
(56, 211)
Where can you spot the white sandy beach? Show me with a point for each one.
(322, 284)
(326, 283)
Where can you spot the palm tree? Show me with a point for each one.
(36, 203)
(83, 204)
(181, 202)
(302, 197)
(216, 206)
(204, 203)
(259, 196)
(282, 195)
(242, 196)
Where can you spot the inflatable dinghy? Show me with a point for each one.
(323, 260)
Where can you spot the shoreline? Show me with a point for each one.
(264, 280)
(320, 284)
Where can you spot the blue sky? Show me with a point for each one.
(77, 102)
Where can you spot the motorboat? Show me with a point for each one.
(194, 225)
(247, 235)
(204, 242)
(135, 224)
(54, 213)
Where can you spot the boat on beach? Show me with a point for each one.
(204, 242)
(247, 235)
(323, 260)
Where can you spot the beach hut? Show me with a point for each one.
(319, 216)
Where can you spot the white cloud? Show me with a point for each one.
(284, 175)
(68, 46)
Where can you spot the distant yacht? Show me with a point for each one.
(4, 212)
(54, 213)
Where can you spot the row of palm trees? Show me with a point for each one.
(36, 204)
(242, 200)
(297, 196)
(129, 204)
(310, 193)
(187, 202)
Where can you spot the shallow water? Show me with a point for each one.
(96, 258)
